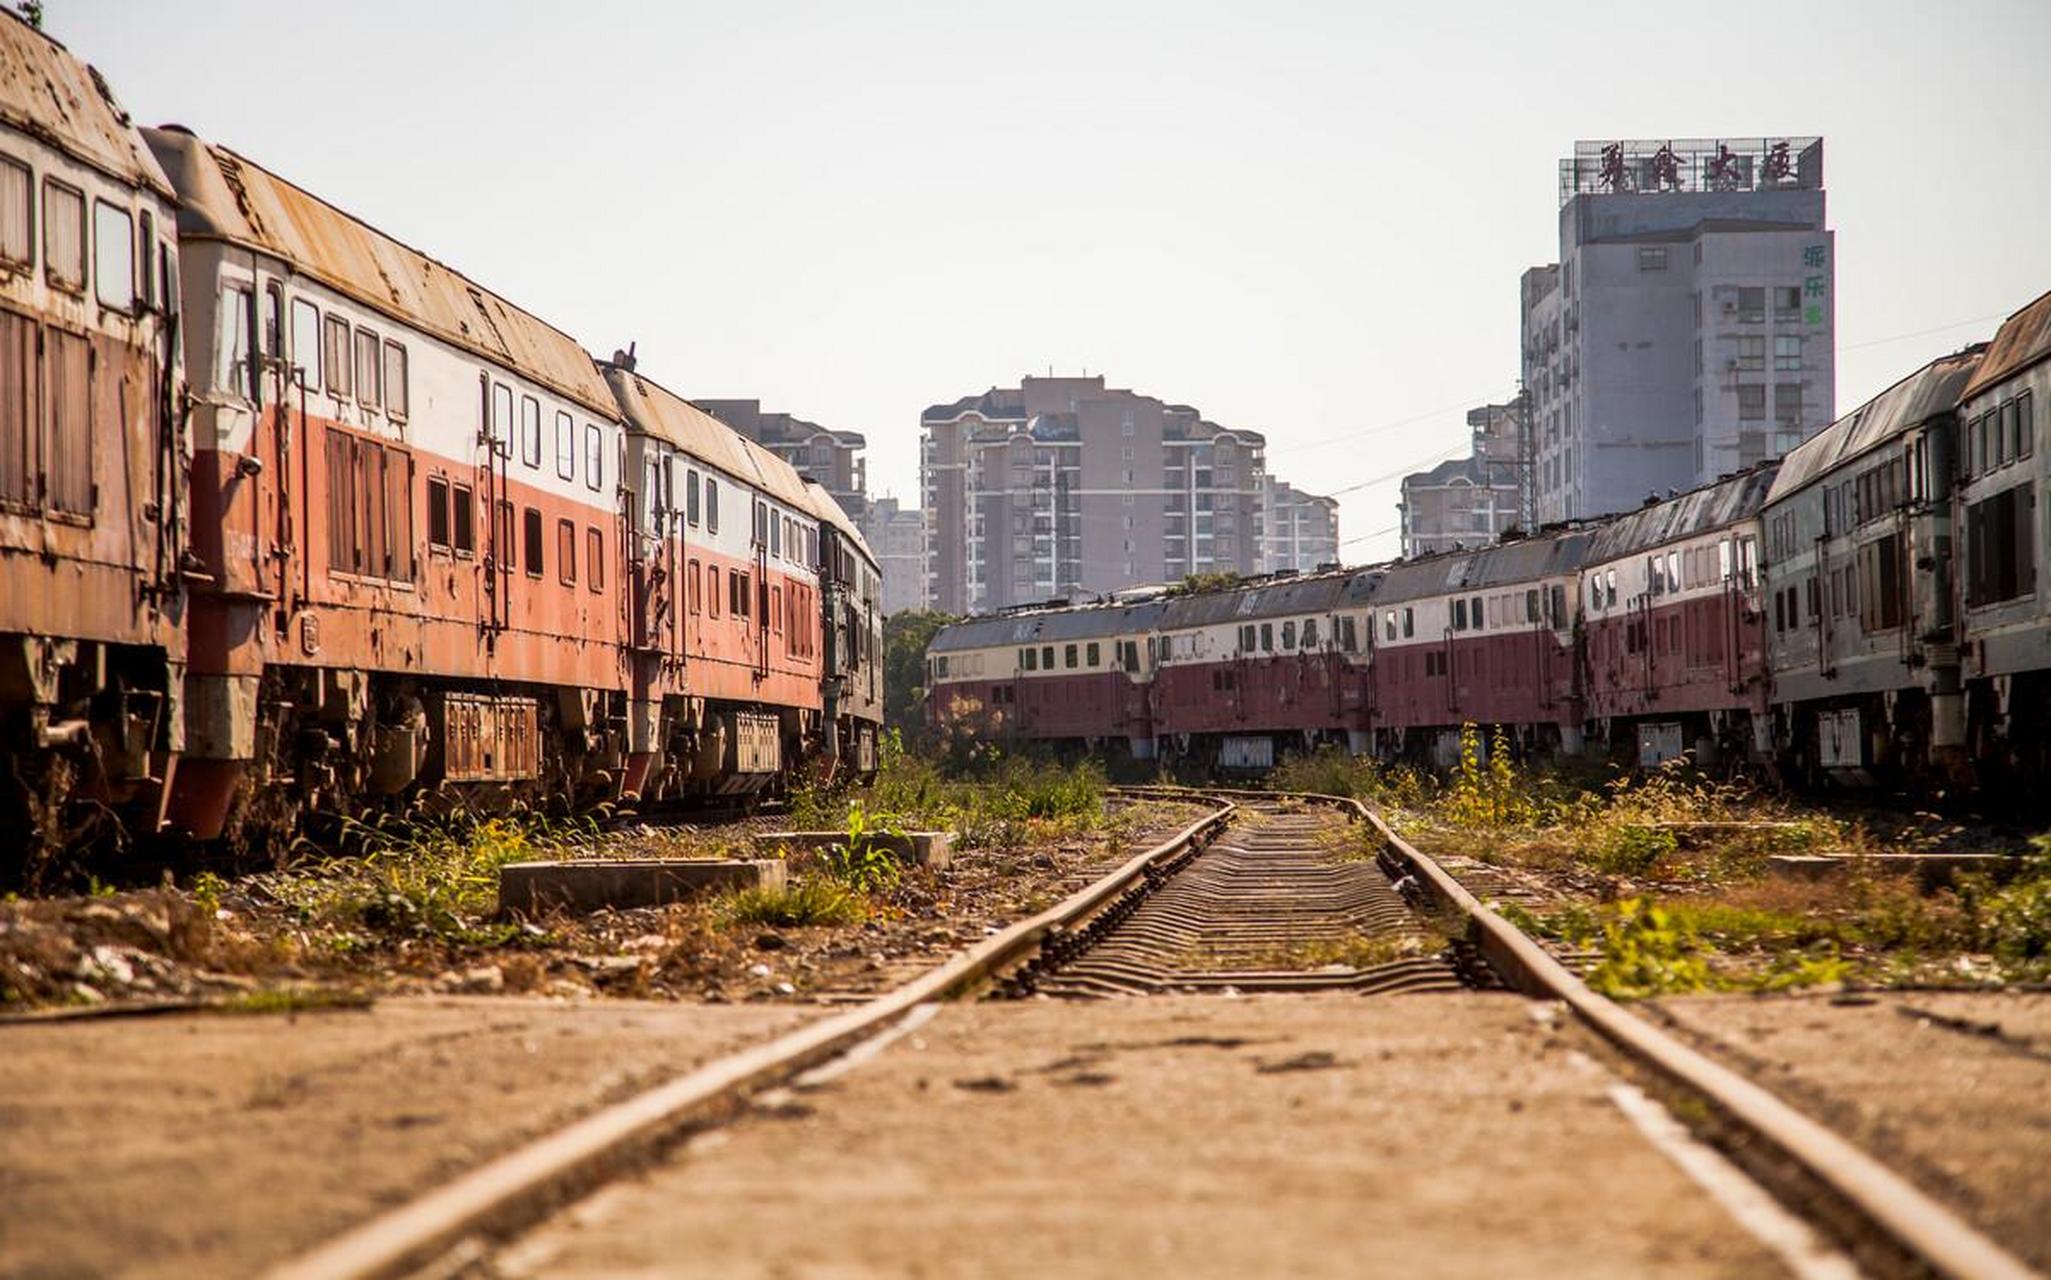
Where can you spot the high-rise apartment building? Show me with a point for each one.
(1470, 501)
(1687, 330)
(1303, 528)
(1062, 487)
(832, 458)
(897, 535)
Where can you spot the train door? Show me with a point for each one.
(492, 481)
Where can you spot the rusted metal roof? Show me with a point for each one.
(654, 409)
(1509, 563)
(822, 504)
(228, 197)
(1080, 622)
(2022, 340)
(1274, 598)
(1933, 389)
(49, 94)
(1697, 511)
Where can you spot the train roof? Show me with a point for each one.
(226, 196)
(47, 92)
(1711, 506)
(2022, 340)
(1267, 598)
(1933, 389)
(650, 407)
(822, 504)
(1543, 555)
(1047, 626)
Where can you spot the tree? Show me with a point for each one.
(905, 637)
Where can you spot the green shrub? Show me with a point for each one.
(810, 902)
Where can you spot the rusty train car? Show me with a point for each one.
(94, 513)
(1868, 609)
(297, 520)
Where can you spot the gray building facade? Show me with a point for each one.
(1688, 329)
(1470, 501)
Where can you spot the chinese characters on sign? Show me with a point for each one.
(1666, 169)
(1778, 164)
(1815, 287)
(1614, 176)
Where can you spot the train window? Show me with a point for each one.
(335, 355)
(1531, 605)
(1389, 624)
(17, 213)
(146, 282)
(1409, 622)
(594, 456)
(462, 520)
(711, 505)
(1246, 638)
(530, 431)
(691, 496)
(1029, 659)
(712, 590)
(64, 236)
(437, 513)
(2011, 440)
(1267, 637)
(398, 400)
(1610, 589)
(113, 257)
(1349, 634)
(67, 409)
(530, 521)
(1068, 657)
(737, 594)
(1047, 656)
(565, 445)
(502, 419)
(594, 559)
(775, 532)
(2025, 427)
(306, 342)
(776, 609)
(369, 377)
(1310, 633)
(1559, 605)
(1476, 611)
(1288, 636)
(1093, 654)
(1459, 615)
(566, 552)
(231, 346)
(273, 321)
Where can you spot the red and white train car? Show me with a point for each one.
(724, 603)
(1060, 676)
(92, 456)
(404, 494)
(1675, 637)
(1247, 673)
(1486, 637)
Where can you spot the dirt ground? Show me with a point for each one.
(170, 944)
(212, 1144)
(1951, 1089)
(1189, 1136)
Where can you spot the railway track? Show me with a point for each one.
(1251, 898)
(1268, 906)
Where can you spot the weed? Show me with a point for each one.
(820, 901)
(1646, 952)
(206, 892)
(865, 863)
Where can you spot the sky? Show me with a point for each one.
(1307, 219)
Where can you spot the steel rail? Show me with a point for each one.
(1932, 1234)
(520, 1186)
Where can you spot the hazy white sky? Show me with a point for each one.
(1308, 219)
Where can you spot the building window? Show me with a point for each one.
(1752, 403)
(1651, 259)
(1787, 403)
(1787, 301)
(1752, 305)
(1751, 352)
(1787, 352)
(64, 236)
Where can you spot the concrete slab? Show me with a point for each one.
(933, 849)
(1930, 869)
(598, 884)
